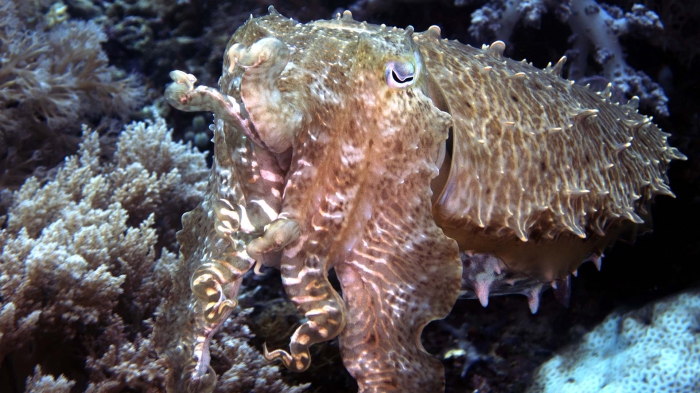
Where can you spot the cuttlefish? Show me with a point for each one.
(418, 168)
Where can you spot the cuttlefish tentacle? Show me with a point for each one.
(308, 288)
(182, 95)
(210, 283)
(215, 287)
(216, 283)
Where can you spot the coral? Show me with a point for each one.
(47, 383)
(596, 28)
(79, 267)
(125, 363)
(653, 349)
(52, 79)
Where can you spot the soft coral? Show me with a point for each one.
(52, 80)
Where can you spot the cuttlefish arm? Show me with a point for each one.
(225, 236)
(402, 275)
(397, 269)
(307, 286)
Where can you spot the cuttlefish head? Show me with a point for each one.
(292, 78)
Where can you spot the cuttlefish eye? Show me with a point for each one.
(400, 74)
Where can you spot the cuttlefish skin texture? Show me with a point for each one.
(331, 153)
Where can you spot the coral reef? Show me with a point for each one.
(54, 76)
(47, 383)
(79, 264)
(499, 346)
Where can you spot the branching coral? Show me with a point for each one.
(596, 29)
(47, 383)
(75, 272)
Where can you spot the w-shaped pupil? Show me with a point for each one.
(398, 79)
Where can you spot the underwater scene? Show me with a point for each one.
(483, 196)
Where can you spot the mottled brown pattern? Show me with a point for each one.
(331, 153)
